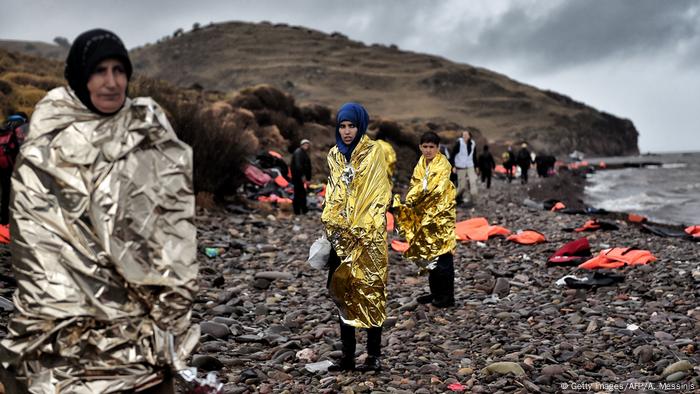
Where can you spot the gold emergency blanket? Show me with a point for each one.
(357, 198)
(103, 249)
(389, 156)
(427, 218)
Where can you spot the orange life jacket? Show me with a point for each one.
(399, 246)
(558, 206)
(280, 181)
(274, 154)
(694, 231)
(634, 218)
(590, 225)
(528, 237)
(619, 257)
(478, 229)
(4, 233)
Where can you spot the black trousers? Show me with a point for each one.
(347, 332)
(509, 173)
(486, 177)
(523, 174)
(5, 184)
(442, 279)
(299, 203)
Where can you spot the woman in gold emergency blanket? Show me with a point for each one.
(357, 198)
(103, 240)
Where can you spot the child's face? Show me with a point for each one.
(429, 150)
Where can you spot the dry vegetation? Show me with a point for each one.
(25, 79)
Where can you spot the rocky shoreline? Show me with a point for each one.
(266, 316)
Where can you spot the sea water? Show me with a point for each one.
(665, 193)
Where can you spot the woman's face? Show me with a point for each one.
(107, 86)
(348, 131)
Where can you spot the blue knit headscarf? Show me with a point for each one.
(356, 114)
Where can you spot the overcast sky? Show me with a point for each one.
(636, 59)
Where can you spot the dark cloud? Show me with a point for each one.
(577, 32)
(597, 51)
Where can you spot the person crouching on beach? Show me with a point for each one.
(358, 195)
(427, 220)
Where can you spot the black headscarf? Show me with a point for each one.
(87, 51)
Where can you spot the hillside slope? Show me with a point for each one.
(317, 68)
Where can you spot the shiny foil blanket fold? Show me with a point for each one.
(103, 249)
(357, 198)
(427, 218)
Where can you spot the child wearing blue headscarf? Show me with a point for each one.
(357, 198)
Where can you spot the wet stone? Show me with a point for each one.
(502, 287)
(206, 362)
(261, 283)
(221, 310)
(224, 320)
(216, 330)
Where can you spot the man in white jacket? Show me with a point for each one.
(463, 160)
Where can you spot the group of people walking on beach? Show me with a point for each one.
(104, 242)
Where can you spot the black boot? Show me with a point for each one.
(347, 363)
(372, 363)
(425, 299)
(441, 281)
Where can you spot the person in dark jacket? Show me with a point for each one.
(12, 135)
(301, 168)
(523, 159)
(545, 165)
(508, 158)
(486, 166)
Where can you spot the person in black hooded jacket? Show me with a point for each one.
(301, 168)
(486, 166)
(524, 160)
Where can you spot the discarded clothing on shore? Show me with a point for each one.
(275, 199)
(256, 175)
(571, 254)
(478, 229)
(593, 225)
(555, 205)
(528, 237)
(664, 231)
(619, 257)
(592, 280)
